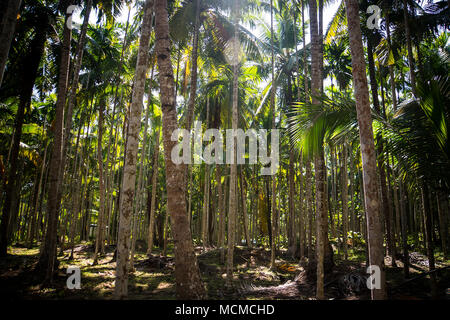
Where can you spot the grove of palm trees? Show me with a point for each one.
(336, 184)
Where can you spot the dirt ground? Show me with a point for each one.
(153, 277)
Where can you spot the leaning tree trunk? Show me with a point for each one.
(371, 199)
(187, 274)
(129, 169)
(7, 29)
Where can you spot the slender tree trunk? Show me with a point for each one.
(372, 202)
(404, 222)
(292, 241)
(321, 207)
(412, 75)
(391, 66)
(205, 214)
(309, 206)
(221, 233)
(429, 239)
(47, 259)
(232, 198)
(344, 199)
(100, 241)
(187, 274)
(142, 169)
(244, 209)
(443, 224)
(272, 113)
(151, 226)
(7, 29)
(129, 169)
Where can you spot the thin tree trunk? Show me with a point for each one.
(412, 75)
(100, 242)
(428, 235)
(372, 202)
(151, 226)
(221, 233)
(132, 144)
(404, 222)
(344, 199)
(272, 114)
(47, 259)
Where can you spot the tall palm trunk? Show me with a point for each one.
(321, 207)
(272, 113)
(76, 73)
(192, 96)
(205, 214)
(428, 226)
(151, 226)
(371, 199)
(129, 169)
(344, 198)
(142, 169)
(193, 88)
(187, 274)
(47, 257)
(7, 29)
(99, 243)
(412, 75)
(232, 198)
(391, 66)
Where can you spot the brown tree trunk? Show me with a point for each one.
(151, 226)
(47, 259)
(187, 274)
(372, 202)
(100, 242)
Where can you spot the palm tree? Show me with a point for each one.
(232, 211)
(47, 259)
(371, 199)
(187, 273)
(36, 20)
(129, 175)
(319, 164)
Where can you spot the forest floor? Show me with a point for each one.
(154, 276)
